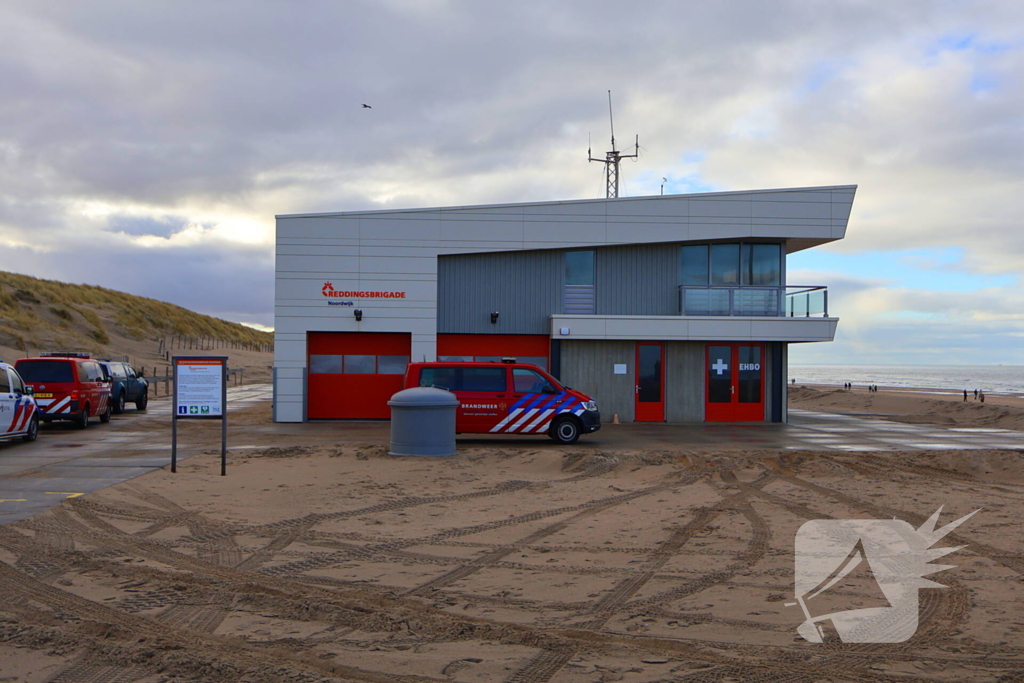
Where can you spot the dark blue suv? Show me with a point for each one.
(125, 385)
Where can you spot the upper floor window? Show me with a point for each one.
(579, 267)
(730, 265)
(762, 264)
(725, 264)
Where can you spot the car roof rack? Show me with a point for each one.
(65, 354)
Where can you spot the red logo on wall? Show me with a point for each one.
(328, 290)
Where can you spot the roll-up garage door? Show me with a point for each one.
(353, 374)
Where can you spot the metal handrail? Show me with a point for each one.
(754, 300)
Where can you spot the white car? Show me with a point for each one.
(19, 414)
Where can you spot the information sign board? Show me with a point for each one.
(199, 387)
(200, 393)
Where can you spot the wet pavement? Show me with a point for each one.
(65, 462)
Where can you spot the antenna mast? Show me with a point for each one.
(611, 159)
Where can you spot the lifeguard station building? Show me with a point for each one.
(670, 308)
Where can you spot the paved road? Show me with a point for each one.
(66, 462)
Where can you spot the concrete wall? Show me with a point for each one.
(587, 367)
(684, 381)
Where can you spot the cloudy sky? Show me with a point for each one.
(147, 146)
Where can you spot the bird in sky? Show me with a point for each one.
(366, 106)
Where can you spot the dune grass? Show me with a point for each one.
(31, 308)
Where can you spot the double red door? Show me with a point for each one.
(735, 383)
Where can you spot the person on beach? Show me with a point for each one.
(965, 396)
(981, 395)
(975, 394)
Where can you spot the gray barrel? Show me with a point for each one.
(423, 422)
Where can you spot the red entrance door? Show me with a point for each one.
(650, 382)
(735, 383)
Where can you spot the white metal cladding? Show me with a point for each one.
(398, 250)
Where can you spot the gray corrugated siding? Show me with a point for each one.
(637, 280)
(525, 287)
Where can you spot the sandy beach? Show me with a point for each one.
(323, 560)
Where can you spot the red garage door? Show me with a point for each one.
(353, 374)
(526, 348)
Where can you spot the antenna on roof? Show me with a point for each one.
(611, 159)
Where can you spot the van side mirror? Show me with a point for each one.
(141, 372)
(29, 391)
(548, 389)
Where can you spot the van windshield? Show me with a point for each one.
(45, 371)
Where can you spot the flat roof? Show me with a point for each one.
(697, 195)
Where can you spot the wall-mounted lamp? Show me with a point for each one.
(494, 317)
(358, 314)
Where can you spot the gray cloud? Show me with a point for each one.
(122, 123)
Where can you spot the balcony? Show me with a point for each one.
(786, 301)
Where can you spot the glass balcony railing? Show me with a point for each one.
(791, 301)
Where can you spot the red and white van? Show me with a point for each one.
(67, 386)
(509, 398)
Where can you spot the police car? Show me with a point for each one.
(509, 398)
(19, 414)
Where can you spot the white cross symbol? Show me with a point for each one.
(720, 366)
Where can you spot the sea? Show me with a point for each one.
(992, 379)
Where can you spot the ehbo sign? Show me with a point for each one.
(200, 393)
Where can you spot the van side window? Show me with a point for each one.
(5, 384)
(528, 381)
(443, 378)
(483, 379)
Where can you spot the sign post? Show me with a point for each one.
(200, 393)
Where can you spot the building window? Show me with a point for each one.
(762, 264)
(725, 264)
(579, 297)
(730, 265)
(360, 365)
(579, 268)
(392, 365)
(693, 265)
(324, 365)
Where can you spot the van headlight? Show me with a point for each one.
(590, 405)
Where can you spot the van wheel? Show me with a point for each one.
(105, 416)
(33, 430)
(82, 419)
(565, 430)
(119, 403)
(143, 401)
